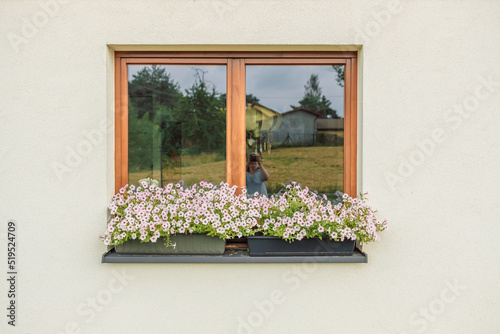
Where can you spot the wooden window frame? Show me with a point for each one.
(236, 92)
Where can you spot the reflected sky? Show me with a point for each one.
(277, 87)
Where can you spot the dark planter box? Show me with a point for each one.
(193, 244)
(274, 246)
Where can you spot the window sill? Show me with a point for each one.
(230, 256)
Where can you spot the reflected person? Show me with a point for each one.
(256, 175)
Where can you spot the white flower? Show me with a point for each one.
(149, 182)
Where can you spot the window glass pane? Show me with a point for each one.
(295, 122)
(177, 123)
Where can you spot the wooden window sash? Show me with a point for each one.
(285, 61)
(350, 128)
(175, 61)
(236, 94)
(121, 124)
(238, 54)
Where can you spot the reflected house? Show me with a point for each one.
(297, 127)
(261, 118)
(330, 131)
(261, 122)
(329, 124)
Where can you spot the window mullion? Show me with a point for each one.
(235, 122)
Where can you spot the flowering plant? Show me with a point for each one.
(150, 182)
(149, 212)
(299, 213)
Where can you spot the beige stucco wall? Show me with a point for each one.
(435, 271)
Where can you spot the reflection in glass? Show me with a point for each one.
(177, 123)
(295, 122)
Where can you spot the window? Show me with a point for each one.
(197, 115)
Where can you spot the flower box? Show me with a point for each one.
(199, 218)
(194, 244)
(275, 246)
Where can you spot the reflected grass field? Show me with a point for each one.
(319, 168)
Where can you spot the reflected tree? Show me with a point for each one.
(250, 98)
(164, 123)
(153, 94)
(202, 115)
(315, 100)
(339, 70)
(152, 87)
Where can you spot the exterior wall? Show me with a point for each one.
(428, 156)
